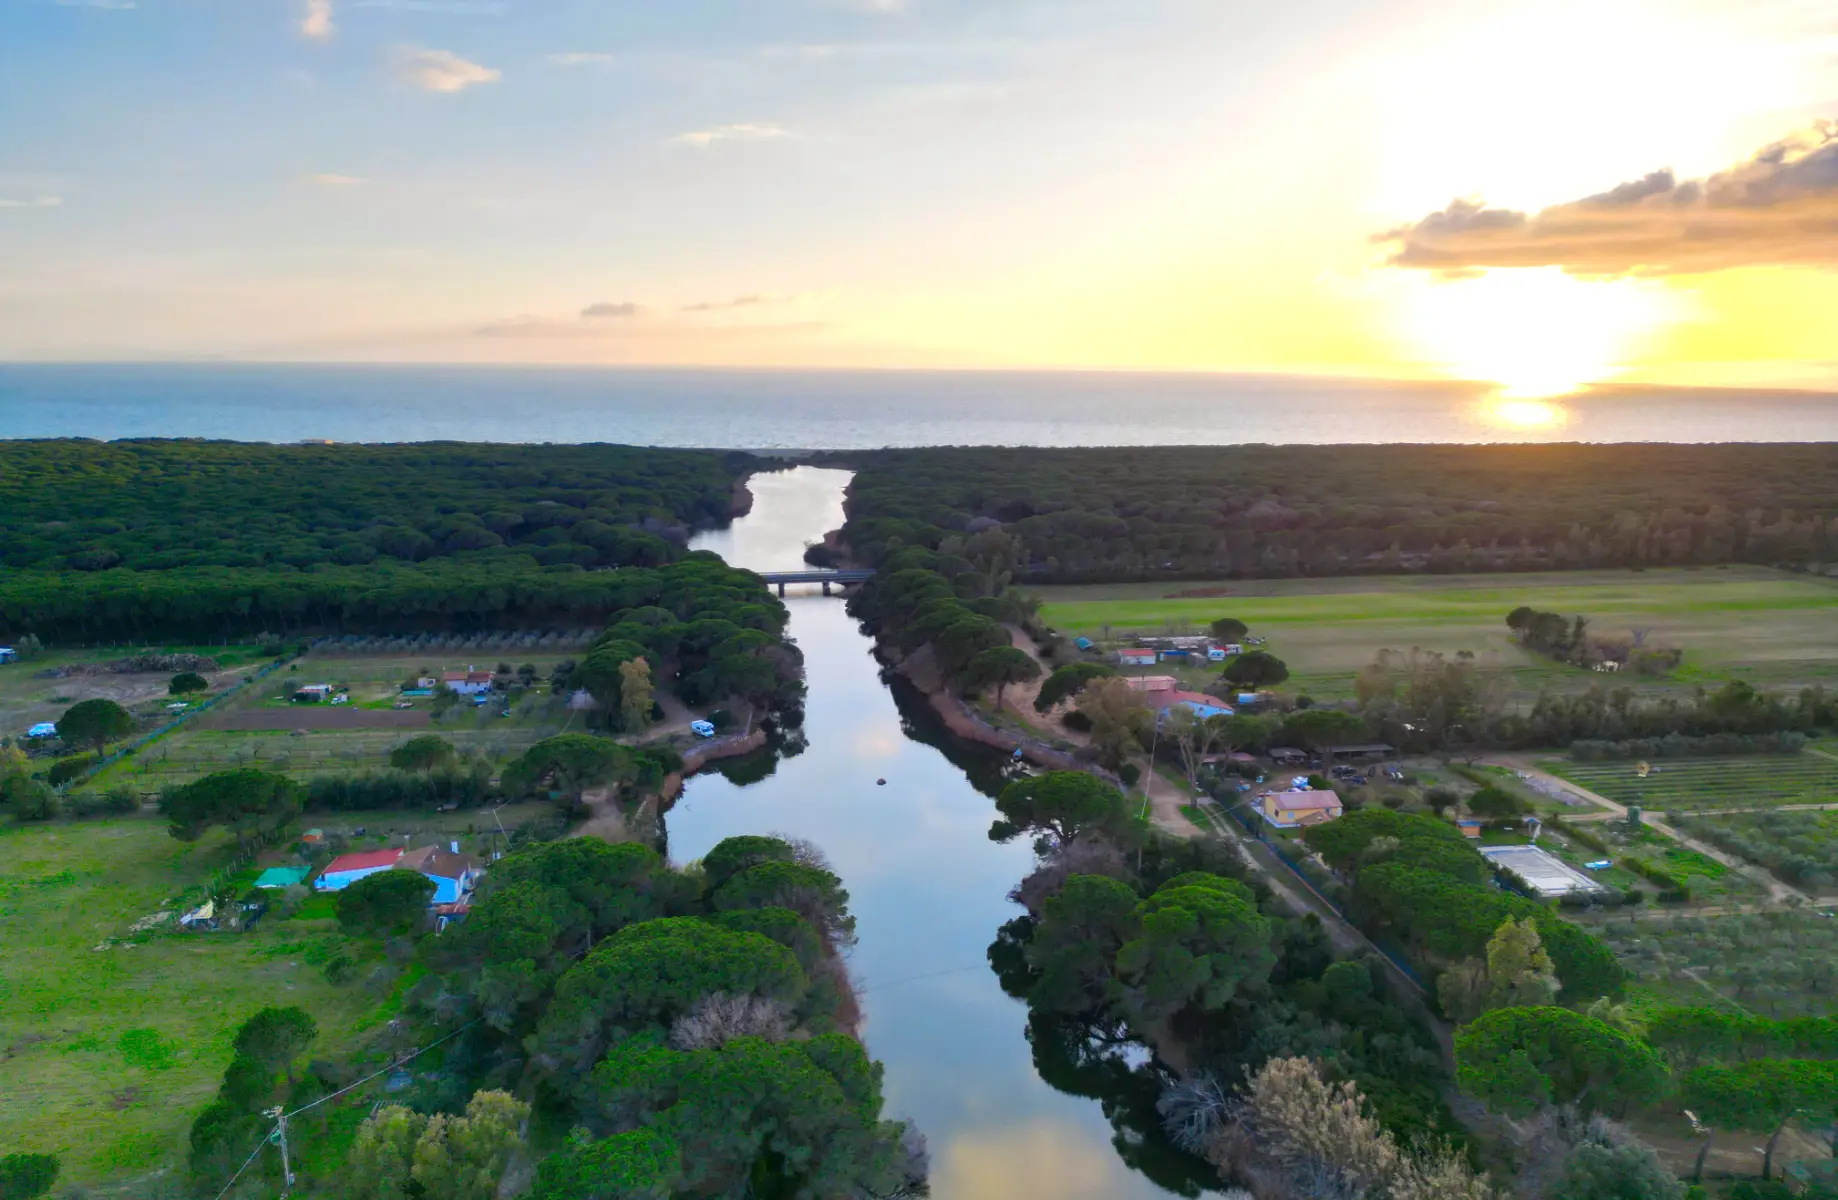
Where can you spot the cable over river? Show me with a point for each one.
(929, 892)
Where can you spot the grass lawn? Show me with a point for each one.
(1705, 784)
(108, 1053)
(1768, 627)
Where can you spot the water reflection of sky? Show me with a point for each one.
(928, 889)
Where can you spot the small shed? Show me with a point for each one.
(1287, 755)
(281, 877)
(1470, 828)
(1083, 643)
(1365, 750)
(1136, 656)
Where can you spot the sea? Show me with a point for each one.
(809, 410)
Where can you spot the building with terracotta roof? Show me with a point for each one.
(1296, 809)
(453, 873)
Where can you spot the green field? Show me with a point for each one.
(110, 1041)
(110, 1051)
(1779, 964)
(1768, 627)
(183, 756)
(1706, 784)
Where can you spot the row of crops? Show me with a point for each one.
(1779, 964)
(1704, 784)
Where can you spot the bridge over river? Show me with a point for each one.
(816, 575)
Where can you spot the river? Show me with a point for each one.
(927, 886)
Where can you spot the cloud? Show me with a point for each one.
(327, 179)
(702, 139)
(109, 5)
(1780, 208)
(576, 58)
(35, 202)
(316, 22)
(736, 302)
(441, 70)
(601, 312)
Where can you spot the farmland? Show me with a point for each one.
(1767, 627)
(1797, 847)
(260, 728)
(1779, 964)
(1707, 784)
(27, 697)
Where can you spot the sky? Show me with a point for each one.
(1543, 194)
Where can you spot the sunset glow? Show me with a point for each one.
(1417, 190)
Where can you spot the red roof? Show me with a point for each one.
(368, 860)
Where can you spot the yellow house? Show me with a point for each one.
(1290, 810)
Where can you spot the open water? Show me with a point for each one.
(851, 409)
(929, 891)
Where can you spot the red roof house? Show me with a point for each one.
(347, 869)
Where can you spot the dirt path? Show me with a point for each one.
(1780, 892)
(1166, 799)
(607, 822)
(677, 717)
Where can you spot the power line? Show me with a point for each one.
(281, 1118)
(386, 1070)
(245, 1166)
(928, 975)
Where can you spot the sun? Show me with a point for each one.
(1535, 333)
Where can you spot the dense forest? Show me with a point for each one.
(136, 541)
(84, 505)
(1211, 512)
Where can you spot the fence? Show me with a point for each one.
(147, 739)
(1253, 825)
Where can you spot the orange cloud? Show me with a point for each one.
(1780, 208)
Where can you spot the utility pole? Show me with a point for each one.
(1148, 780)
(279, 1137)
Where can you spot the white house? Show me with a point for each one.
(468, 682)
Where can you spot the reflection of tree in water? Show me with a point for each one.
(981, 765)
(1098, 1058)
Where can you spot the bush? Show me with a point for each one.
(24, 1176)
(1579, 835)
(64, 770)
(1130, 774)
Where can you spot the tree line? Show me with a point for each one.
(158, 505)
(1249, 511)
(206, 604)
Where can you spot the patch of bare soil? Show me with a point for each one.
(317, 718)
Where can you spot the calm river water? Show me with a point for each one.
(927, 886)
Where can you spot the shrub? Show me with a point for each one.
(64, 770)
